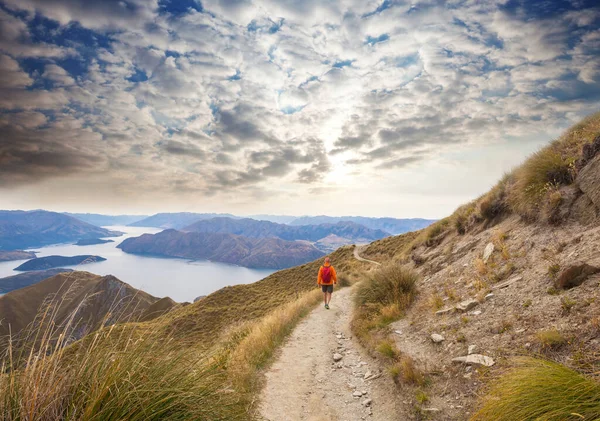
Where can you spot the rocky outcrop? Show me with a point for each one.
(589, 152)
(588, 180)
(575, 275)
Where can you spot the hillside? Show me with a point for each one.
(106, 301)
(391, 225)
(349, 231)
(513, 273)
(226, 248)
(22, 230)
(106, 220)
(7, 256)
(22, 280)
(49, 262)
(176, 220)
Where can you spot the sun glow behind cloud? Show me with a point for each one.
(275, 106)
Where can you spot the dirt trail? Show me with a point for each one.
(357, 256)
(306, 384)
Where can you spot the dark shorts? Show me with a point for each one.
(327, 288)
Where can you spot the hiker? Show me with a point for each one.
(327, 279)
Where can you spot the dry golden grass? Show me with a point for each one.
(550, 339)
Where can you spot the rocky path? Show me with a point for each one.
(307, 383)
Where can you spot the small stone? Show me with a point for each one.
(475, 313)
(487, 253)
(369, 411)
(398, 332)
(475, 359)
(337, 357)
(528, 345)
(339, 336)
(430, 409)
(467, 305)
(437, 338)
(357, 394)
(368, 374)
(472, 349)
(367, 402)
(490, 295)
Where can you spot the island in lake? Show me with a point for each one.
(22, 280)
(92, 241)
(49, 262)
(8, 255)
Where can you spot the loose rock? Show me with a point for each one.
(437, 338)
(472, 349)
(508, 283)
(337, 357)
(487, 253)
(467, 305)
(367, 402)
(475, 359)
(444, 311)
(357, 394)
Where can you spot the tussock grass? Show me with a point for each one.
(550, 338)
(393, 284)
(113, 376)
(537, 389)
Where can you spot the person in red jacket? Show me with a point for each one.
(327, 278)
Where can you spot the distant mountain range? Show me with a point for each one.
(392, 225)
(26, 229)
(106, 220)
(176, 220)
(247, 227)
(271, 253)
(106, 300)
(182, 220)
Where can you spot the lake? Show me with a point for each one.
(180, 279)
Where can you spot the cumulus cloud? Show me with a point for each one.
(242, 98)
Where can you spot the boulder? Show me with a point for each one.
(575, 275)
(467, 305)
(588, 180)
(475, 359)
(488, 251)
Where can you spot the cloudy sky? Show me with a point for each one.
(370, 107)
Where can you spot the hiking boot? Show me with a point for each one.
(327, 306)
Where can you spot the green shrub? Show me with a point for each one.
(550, 338)
(393, 284)
(541, 390)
